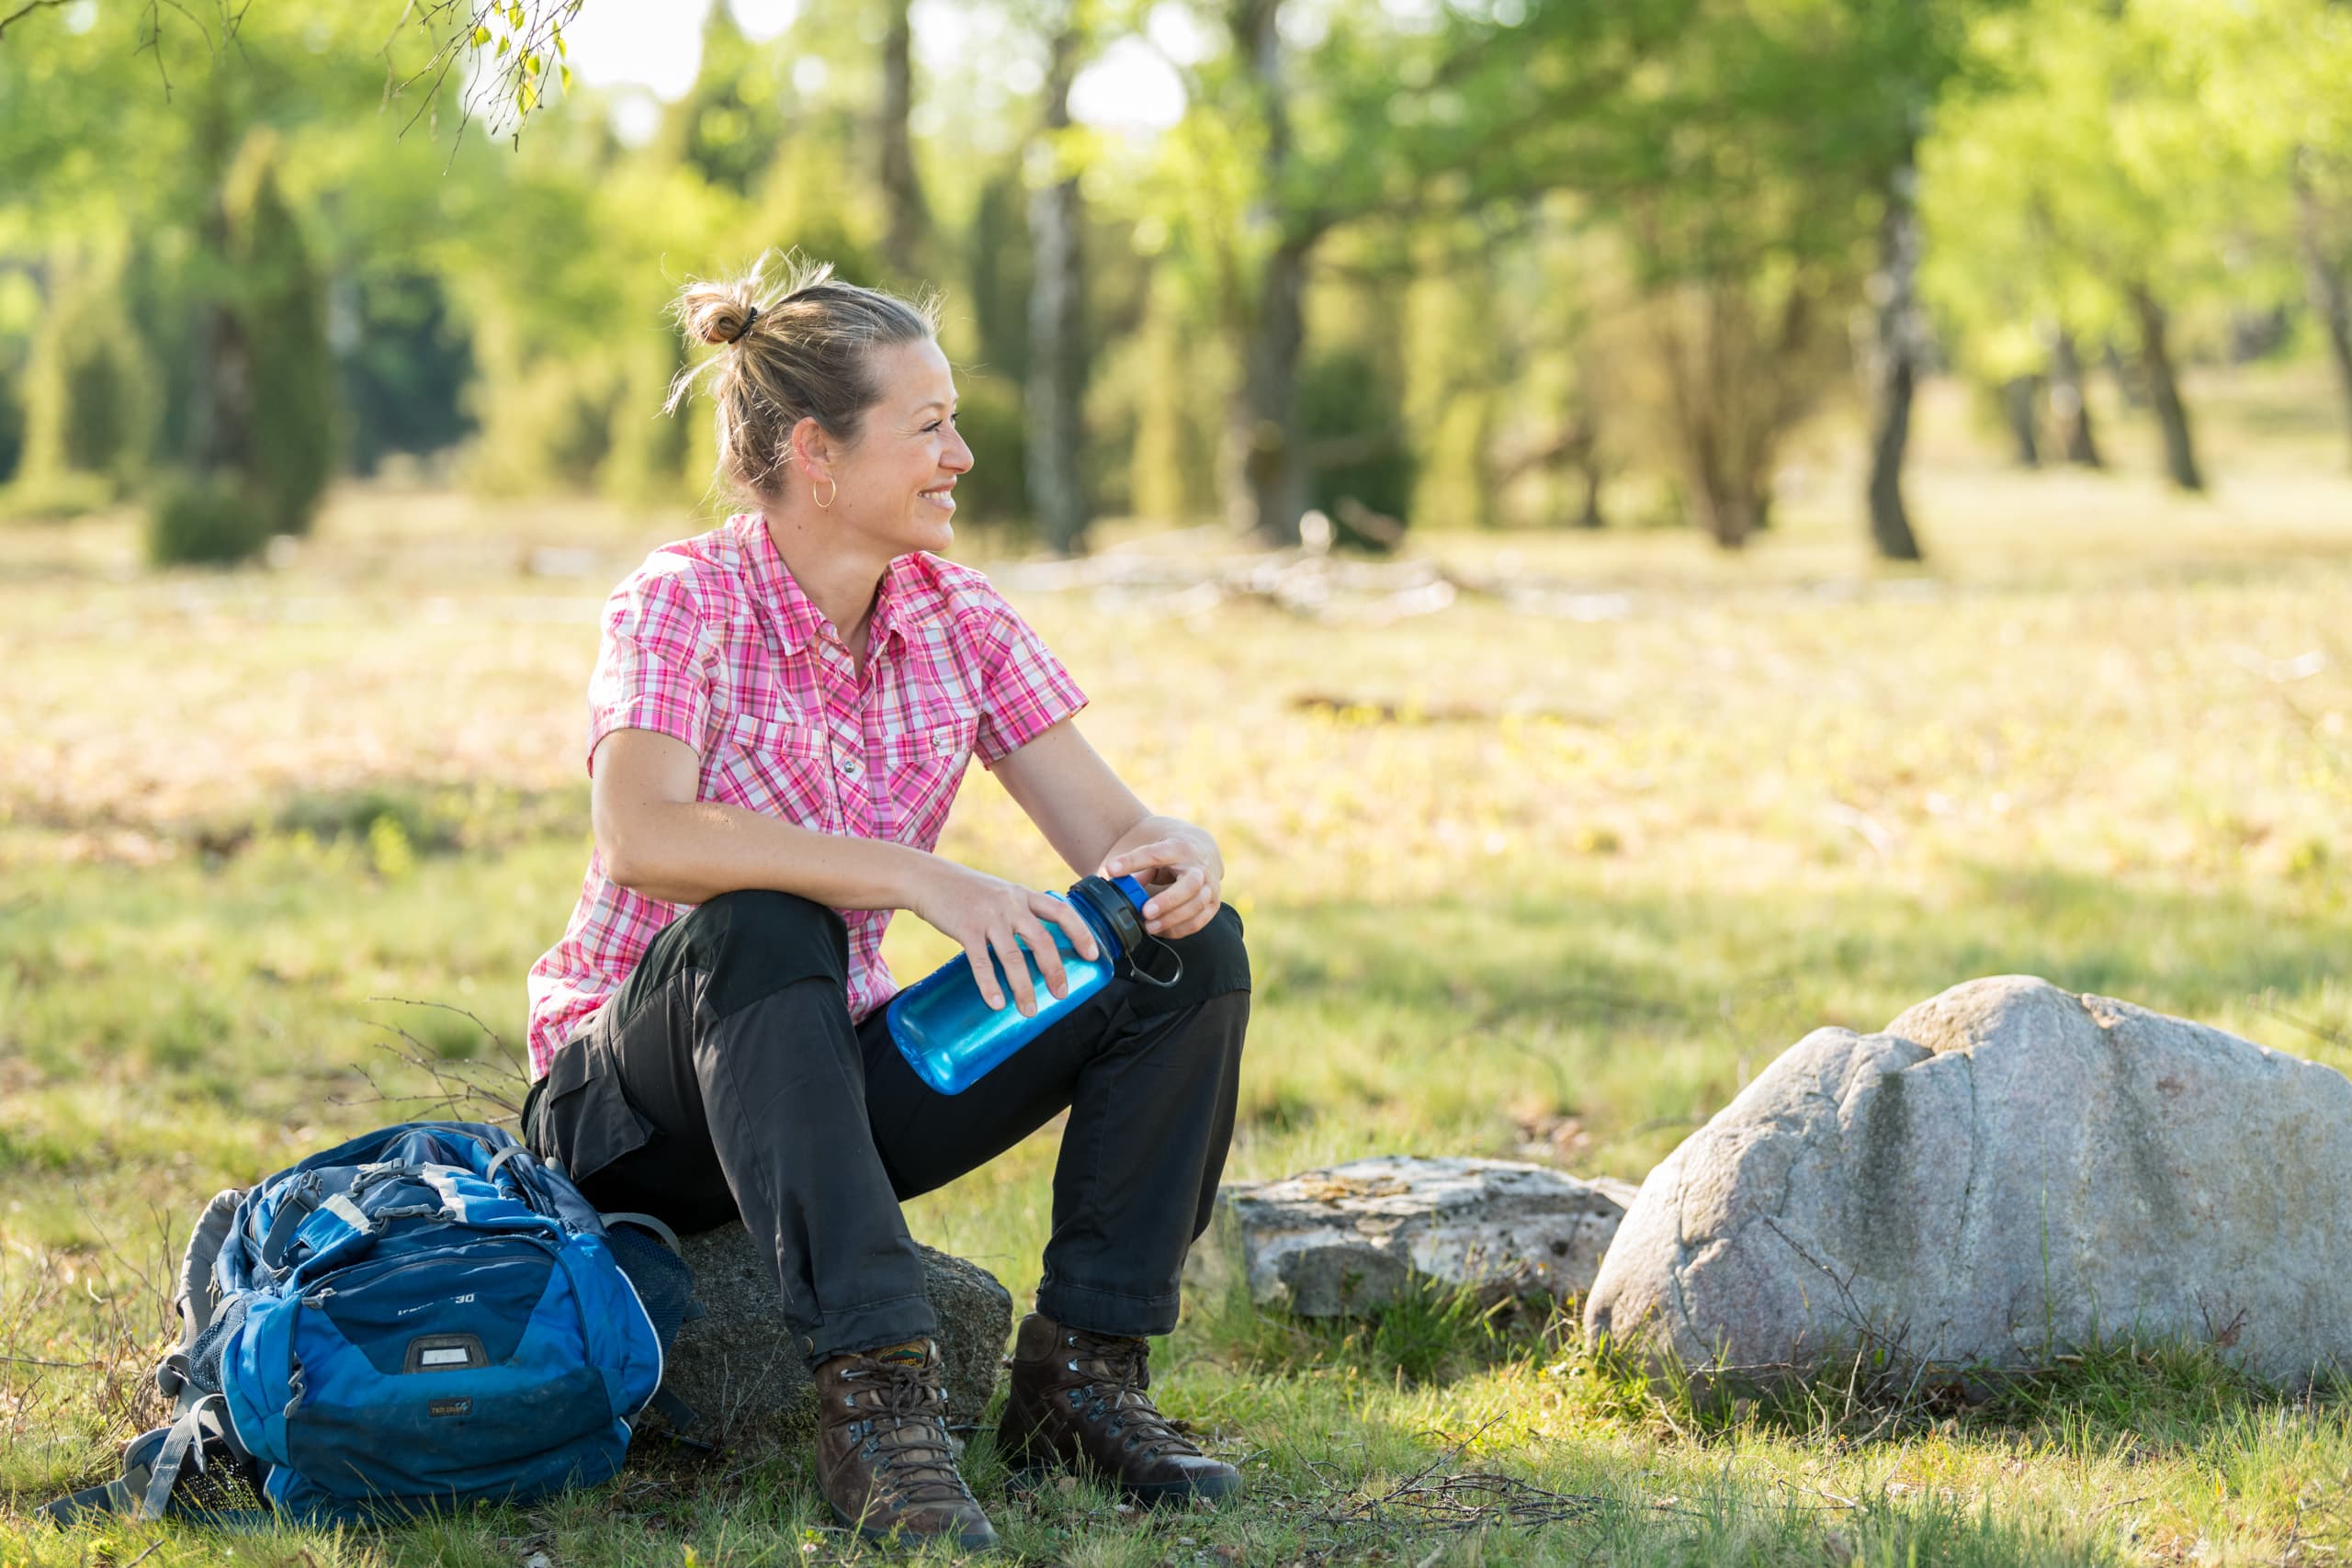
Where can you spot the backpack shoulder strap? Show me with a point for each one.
(197, 1295)
(646, 1222)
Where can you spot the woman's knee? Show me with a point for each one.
(753, 942)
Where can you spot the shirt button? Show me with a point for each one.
(849, 765)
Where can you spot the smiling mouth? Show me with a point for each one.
(944, 496)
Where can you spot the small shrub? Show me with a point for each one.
(204, 520)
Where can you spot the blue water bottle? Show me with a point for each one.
(950, 1035)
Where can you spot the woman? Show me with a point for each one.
(781, 714)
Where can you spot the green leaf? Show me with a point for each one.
(561, 48)
(503, 46)
(515, 12)
(531, 64)
(481, 37)
(566, 71)
(527, 96)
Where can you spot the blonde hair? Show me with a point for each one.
(794, 346)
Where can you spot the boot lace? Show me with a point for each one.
(904, 1434)
(1126, 1374)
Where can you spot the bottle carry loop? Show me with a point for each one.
(1175, 963)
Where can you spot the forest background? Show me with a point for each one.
(1472, 454)
(1401, 265)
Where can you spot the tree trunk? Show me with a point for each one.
(1054, 405)
(2163, 390)
(2067, 404)
(1266, 476)
(2017, 407)
(1270, 495)
(904, 220)
(2324, 282)
(1729, 512)
(1894, 363)
(1583, 454)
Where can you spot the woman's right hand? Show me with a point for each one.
(984, 915)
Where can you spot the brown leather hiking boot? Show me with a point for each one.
(1078, 1401)
(883, 1457)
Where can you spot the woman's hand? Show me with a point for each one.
(1184, 872)
(984, 914)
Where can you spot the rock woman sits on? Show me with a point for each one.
(780, 715)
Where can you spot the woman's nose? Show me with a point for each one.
(957, 457)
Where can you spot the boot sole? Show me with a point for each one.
(983, 1539)
(1024, 1479)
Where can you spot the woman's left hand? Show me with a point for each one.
(1184, 872)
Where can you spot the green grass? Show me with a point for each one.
(1530, 886)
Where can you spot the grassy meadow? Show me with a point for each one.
(1546, 869)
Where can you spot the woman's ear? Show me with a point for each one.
(812, 451)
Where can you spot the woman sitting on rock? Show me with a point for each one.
(781, 714)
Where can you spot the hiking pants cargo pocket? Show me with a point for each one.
(577, 1115)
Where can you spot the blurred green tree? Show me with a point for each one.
(89, 409)
(1305, 122)
(2087, 184)
(2274, 80)
(288, 447)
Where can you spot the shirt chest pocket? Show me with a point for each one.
(921, 770)
(774, 768)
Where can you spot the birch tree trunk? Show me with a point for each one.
(1054, 405)
(1895, 358)
(1264, 469)
(1269, 494)
(905, 222)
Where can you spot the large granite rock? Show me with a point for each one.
(2006, 1171)
(1331, 1243)
(742, 1369)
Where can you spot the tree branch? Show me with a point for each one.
(27, 9)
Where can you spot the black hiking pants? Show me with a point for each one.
(726, 1078)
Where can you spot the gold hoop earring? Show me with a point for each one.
(826, 504)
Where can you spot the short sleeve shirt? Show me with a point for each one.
(711, 642)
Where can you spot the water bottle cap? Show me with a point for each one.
(1119, 905)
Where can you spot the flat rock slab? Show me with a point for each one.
(2006, 1172)
(742, 1367)
(1332, 1243)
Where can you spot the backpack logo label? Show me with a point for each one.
(451, 1408)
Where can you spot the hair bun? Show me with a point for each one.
(715, 314)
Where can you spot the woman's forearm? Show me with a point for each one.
(688, 851)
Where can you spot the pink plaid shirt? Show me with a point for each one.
(711, 641)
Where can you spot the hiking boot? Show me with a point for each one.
(1077, 1401)
(883, 1457)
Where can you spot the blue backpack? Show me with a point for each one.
(420, 1317)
